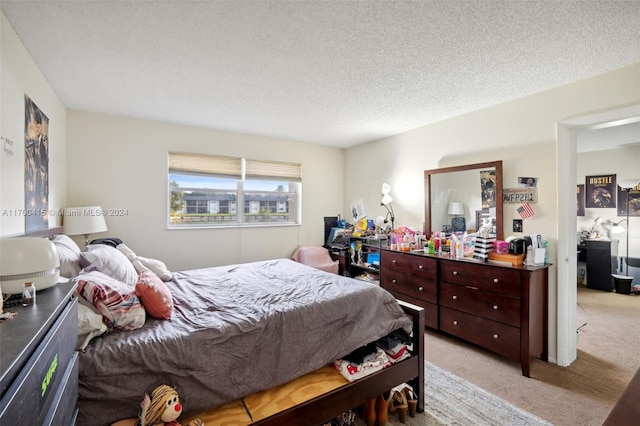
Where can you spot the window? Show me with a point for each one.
(205, 190)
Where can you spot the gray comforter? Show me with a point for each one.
(234, 330)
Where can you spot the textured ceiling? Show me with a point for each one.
(337, 73)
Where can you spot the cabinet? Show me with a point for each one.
(39, 364)
(500, 308)
(601, 257)
(365, 258)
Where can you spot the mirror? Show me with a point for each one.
(472, 192)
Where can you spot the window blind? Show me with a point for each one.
(208, 164)
(270, 170)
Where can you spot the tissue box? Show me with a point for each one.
(501, 247)
(485, 243)
(483, 246)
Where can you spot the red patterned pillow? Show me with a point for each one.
(155, 295)
(120, 307)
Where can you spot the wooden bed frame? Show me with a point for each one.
(333, 403)
(321, 395)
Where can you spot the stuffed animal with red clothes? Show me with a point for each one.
(162, 408)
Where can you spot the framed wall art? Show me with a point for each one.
(580, 205)
(600, 191)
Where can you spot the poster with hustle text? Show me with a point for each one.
(600, 191)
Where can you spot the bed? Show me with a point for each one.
(237, 329)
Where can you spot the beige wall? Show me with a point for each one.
(121, 163)
(19, 76)
(521, 133)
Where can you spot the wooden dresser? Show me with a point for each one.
(501, 308)
(39, 364)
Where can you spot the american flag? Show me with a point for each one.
(526, 211)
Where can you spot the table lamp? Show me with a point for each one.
(458, 224)
(386, 202)
(84, 221)
(627, 185)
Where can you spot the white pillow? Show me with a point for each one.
(109, 261)
(68, 255)
(146, 264)
(90, 324)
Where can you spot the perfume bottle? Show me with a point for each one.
(28, 294)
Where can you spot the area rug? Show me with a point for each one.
(450, 400)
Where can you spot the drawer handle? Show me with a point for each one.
(495, 280)
(495, 307)
(419, 266)
(455, 323)
(455, 272)
(454, 297)
(393, 261)
(393, 281)
(420, 288)
(495, 336)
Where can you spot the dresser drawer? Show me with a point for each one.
(30, 396)
(497, 337)
(430, 309)
(421, 266)
(499, 280)
(63, 408)
(411, 285)
(493, 306)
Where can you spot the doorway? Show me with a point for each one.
(566, 166)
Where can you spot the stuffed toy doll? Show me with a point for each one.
(162, 408)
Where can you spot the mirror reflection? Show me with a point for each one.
(462, 198)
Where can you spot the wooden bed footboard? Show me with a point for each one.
(333, 403)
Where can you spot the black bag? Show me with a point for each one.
(110, 241)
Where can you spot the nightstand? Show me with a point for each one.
(39, 362)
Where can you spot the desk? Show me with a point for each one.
(601, 257)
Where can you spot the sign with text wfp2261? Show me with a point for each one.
(520, 195)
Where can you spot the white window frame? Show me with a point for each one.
(244, 171)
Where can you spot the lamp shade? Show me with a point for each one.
(27, 259)
(386, 188)
(456, 208)
(617, 228)
(386, 200)
(84, 220)
(628, 183)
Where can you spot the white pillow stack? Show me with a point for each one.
(145, 264)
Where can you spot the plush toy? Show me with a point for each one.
(162, 408)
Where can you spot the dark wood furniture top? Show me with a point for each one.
(626, 412)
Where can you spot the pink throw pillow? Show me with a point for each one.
(155, 295)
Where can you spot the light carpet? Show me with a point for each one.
(450, 400)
